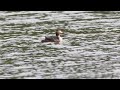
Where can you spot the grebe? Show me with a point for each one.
(57, 39)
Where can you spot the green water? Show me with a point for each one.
(90, 49)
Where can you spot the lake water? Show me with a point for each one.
(90, 49)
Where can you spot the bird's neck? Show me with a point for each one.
(58, 35)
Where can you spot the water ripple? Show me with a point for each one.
(90, 49)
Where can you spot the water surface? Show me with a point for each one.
(90, 49)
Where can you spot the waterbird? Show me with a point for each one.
(56, 39)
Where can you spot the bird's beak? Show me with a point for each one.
(61, 32)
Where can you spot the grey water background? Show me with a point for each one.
(90, 49)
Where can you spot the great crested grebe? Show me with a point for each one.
(57, 39)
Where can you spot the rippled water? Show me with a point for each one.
(90, 49)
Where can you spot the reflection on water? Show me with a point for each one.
(90, 49)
